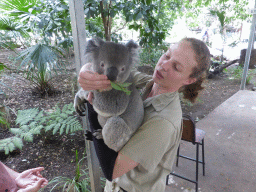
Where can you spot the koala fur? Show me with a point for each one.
(119, 114)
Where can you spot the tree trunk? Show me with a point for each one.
(252, 64)
(107, 21)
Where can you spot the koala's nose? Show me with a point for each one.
(112, 73)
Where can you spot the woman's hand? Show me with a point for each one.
(34, 186)
(30, 177)
(90, 80)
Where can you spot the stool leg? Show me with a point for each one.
(167, 179)
(203, 157)
(197, 159)
(178, 155)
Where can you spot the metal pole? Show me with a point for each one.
(249, 49)
(76, 8)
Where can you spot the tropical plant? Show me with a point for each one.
(40, 61)
(49, 22)
(80, 182)
(11, 33)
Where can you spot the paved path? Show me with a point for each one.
(230, 149)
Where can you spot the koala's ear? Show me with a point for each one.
(132, 45)
(134, 51)
(93, 44)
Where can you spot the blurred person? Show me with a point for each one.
(30, 180)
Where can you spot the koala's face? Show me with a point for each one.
(113, 60)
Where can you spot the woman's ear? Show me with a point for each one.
(190, 81)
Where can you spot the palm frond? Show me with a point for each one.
(8, 24)
(40, 57)
(17, 7)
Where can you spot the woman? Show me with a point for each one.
(144, 162)
(28, 181)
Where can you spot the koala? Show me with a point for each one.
(119, 114)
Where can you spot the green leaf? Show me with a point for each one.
(49, 127)
(138, 16)
(6, 150)
(121, 87)
(67, 129)
(15, 131)
(62, 129)
(56, 128)
(11, 147)
(18, 142)
(2, 66)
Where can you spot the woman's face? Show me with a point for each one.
(175, 66)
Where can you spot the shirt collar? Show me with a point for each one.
(159, 102)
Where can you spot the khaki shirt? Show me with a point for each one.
(154, 145)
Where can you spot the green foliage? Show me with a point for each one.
(121, 87)
(152, 18)
(9, 144)
(80, 182)
(49, 21)
(34, 122)
(18, 7)
(237, 73)
(63, 121)
(39, 61)
(151, 54)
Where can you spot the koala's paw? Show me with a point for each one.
(88, 135)
(79, 105)
(98, 134)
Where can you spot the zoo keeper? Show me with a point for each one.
(144, 162)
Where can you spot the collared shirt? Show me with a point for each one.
(154, 145)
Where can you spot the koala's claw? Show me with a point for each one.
(88, 135)
(79, 105)
(98, 134)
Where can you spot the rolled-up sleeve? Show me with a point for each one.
(148, 146)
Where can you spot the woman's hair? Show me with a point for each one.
(202, 56)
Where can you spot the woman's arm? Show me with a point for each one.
(123, 164)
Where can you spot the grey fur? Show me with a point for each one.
(119, 114)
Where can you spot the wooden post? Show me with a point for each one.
(76, 9)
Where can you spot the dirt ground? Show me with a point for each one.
(57, 154)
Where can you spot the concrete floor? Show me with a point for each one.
(230, 149)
